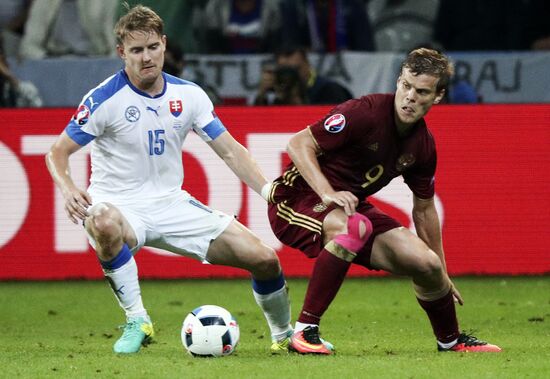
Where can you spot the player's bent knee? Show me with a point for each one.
(104, 221)
(359, 231)
(268, 265)
(429, 265)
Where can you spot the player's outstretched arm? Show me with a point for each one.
(428, 228)
(57, 161)
(303, 151)
(239, 160)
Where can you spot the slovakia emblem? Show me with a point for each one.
(175, 107)
(335, 123)
(82, 115)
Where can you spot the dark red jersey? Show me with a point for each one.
(362, 151)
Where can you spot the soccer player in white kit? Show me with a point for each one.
(137, 121)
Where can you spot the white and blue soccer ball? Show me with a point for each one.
(210, 331)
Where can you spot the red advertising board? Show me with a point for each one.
(492, 191)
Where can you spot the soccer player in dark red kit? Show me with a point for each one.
(319, 205)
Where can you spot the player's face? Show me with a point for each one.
(143, 55)
(414, 96)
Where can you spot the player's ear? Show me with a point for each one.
(120, 51)
(439, 96)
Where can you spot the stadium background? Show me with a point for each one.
(492, 192)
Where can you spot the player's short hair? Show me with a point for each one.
(430, 62)
(138, 19)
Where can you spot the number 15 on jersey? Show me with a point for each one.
(156, 141)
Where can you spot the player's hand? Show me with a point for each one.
(76, 204)
(344, 199)
(457, 297)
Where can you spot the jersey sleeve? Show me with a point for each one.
(340, 127)
(206, 124)
(86, 123)
(421, 178)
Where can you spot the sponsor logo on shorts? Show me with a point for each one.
(132, 113)
(82, 115)
(319, 208)
(335, 123)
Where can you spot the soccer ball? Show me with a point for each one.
(210, 331)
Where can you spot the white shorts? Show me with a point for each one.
(178, 223)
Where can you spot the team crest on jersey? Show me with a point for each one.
(404, 161)
(335, 123)
(82, 115)
(320, 207)
(175, 107)
(132, 113)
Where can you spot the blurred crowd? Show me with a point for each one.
(288, 29)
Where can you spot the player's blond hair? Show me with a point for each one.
(430, 62)
(138, 19)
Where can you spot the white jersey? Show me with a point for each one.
(137, 139)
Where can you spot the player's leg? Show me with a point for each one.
(186, 226)
(237, 246)
(113, 237)
(401, 252)
(343, 237)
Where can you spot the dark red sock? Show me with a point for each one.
(328, 275)
(442, 315)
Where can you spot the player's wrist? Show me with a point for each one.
(266, 190)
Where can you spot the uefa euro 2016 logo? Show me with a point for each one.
(335, 123)
(82, 115)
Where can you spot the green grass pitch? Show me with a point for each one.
(67, 329)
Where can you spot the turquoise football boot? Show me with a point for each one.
(138, 331)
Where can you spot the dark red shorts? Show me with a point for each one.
(297, 220)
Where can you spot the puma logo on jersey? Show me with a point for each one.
(154, 110)
(92, 103)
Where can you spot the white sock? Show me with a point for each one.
(125, 285)
(298, 327)
(447, 345)
(276, 308)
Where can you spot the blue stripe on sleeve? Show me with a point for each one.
(78, 135)
(214, 128)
